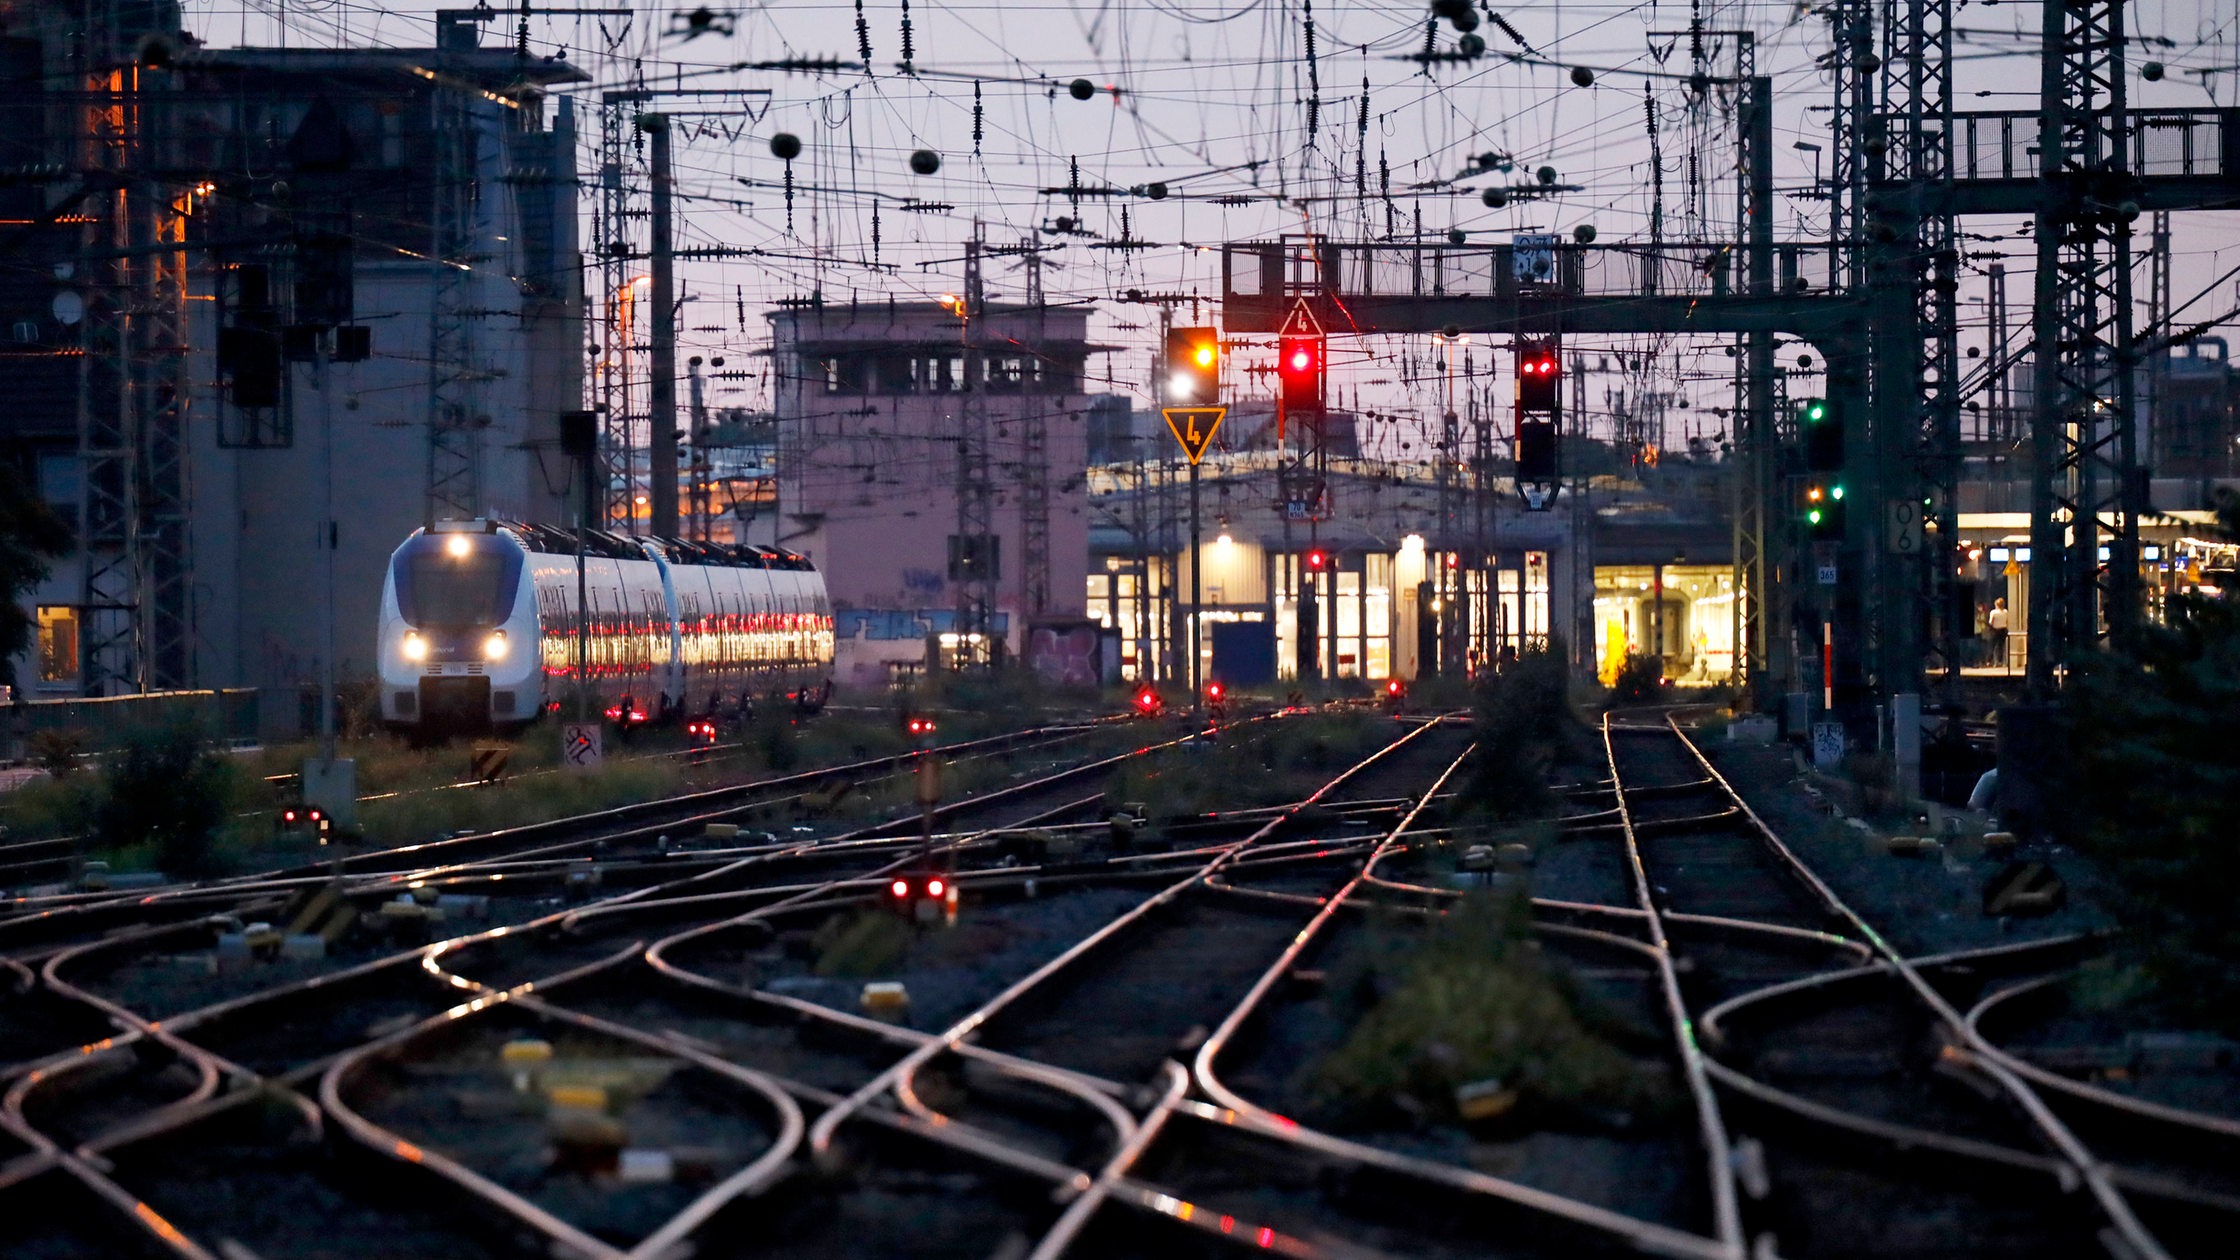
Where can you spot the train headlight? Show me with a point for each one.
(415, 647)
(494, 647)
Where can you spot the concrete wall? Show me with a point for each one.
(869, 479)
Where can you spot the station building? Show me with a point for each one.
(871, 400)
(1405, 589)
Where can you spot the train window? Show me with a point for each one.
(437, 588)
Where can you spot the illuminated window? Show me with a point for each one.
(58, 644)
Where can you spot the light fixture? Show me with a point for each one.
(415, 648)
(458, 546)
(494, 647)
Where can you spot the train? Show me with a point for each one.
(479, 628)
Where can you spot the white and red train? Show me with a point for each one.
(479, 627)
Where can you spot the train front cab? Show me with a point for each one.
(458, 644)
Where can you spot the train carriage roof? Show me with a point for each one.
(558, 540)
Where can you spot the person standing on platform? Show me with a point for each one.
(1997, 621)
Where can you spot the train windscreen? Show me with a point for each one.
(436, 587)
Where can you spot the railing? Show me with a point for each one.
(1306, 267)
(2164, 142)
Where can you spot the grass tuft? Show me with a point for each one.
(1473, 1001)
(1273, 764)
(861, 945)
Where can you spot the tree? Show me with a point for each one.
(32, 537)
(2153, 730)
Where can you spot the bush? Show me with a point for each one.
(56, 752)
(774, 739)
(168, 789)
(1522, 719)
(1640, 680)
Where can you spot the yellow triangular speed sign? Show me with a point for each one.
(1193, 427)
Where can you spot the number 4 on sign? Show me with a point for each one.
(1194, 427)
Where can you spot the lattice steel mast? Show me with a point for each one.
(454, 440)
(2084, 457)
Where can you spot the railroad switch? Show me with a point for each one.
(2025, 888)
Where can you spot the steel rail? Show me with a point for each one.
(2094, 1174)
(208, 1064)
(875, 832)
(1642, 1235)
(533, 832)
(821, 1135)
(565, 1239)
(1077, 1213)
(2201, 1122)
(1726, 1212)
(649, 817)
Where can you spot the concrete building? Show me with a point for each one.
(366, 238)
(2192, 396)
(871, 402)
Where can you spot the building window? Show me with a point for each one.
(58, 644)
(61, 482)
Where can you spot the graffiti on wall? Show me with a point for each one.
(888, 625)
(1065, 654)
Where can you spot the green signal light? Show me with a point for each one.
(1816, 411)
(1836, 492)
(1813, 516)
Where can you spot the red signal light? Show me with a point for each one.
(1317, 559)
(1299, 365)
(288, 816)
(900, 888)
(1392, 687)
(1539, 376)
(1213, 690)
(934, 887)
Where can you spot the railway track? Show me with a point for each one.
(1854, 1083)
(688, 1051)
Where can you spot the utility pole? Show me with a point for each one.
(611, 212)
(1034, 460)
(2001, 428)
(974, 565)
(1487, 628)
(1454, 639)
(1756, 654)
(1852, 65)
(454, 489)
(2158, 320)
(702, 524)
(661, 365)
(1197, 599)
